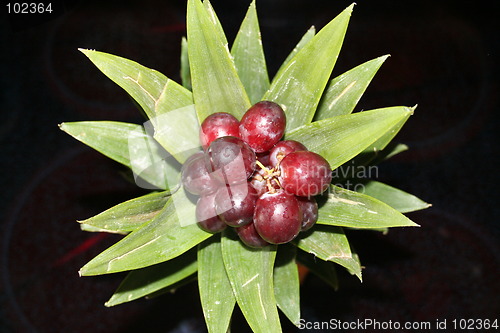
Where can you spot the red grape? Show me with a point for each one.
(216, 126)
(230, 159)
(283, 148)
(250, 236)
(309, 208)
(263, 158)
(305, 173)
(235, 204)
(195, 176)
(206, 216)
(277, 217)
(263, 125)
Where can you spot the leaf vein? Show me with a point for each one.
(130, 252)
(346, 89)
(136, 81)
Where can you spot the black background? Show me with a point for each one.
(443, 57)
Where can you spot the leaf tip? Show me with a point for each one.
(384, 57)
(85, 51)
(64, 127)
(111, 302)
(413, 108)
(85, 270)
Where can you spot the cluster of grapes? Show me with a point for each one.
(250, 180)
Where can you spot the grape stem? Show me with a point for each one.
(271, 174)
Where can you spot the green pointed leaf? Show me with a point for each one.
(356, 210)
(146, 86)
(353, 265)
(216, 294)
(375, 151)
(303, 41)
(370, 159)
(301, 83)
(178, 132)
(216, 85)
(110, 138)
(90, 228)
(330, 244)
(130, 145)
(129, 215)
(169, 234)
(376, 156)
(338, 139)
(142, 282)
(400, 200)
(214, 19)
(286, 283)
(250, 272)
(249, 57)
(185, 71)
(325, 270)
(387, 137)
(158, 96)
(173, 288)
(389, 151)
(343, 92)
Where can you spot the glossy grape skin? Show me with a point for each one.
(263, 125)
(264, 158)
(235, 204)
(216, 126)
(305, 173)
(250, 237)
(309, 208)
(195, 177)
(230, 159)
(206, 216)
(283, 148)
(278, 217)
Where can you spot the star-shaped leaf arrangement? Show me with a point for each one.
(164, 247)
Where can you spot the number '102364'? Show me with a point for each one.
(475, 324)
(28, 8)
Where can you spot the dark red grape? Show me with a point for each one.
(235, 204)
(309, 208)
(305, 173)
(206, 216)
(283, 148)
(250, 236)
(216, 126)
(230, 159)
(195, 177)
(263, 158)
(278, 217)
(263, 125)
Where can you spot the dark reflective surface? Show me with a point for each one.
(442, 57)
